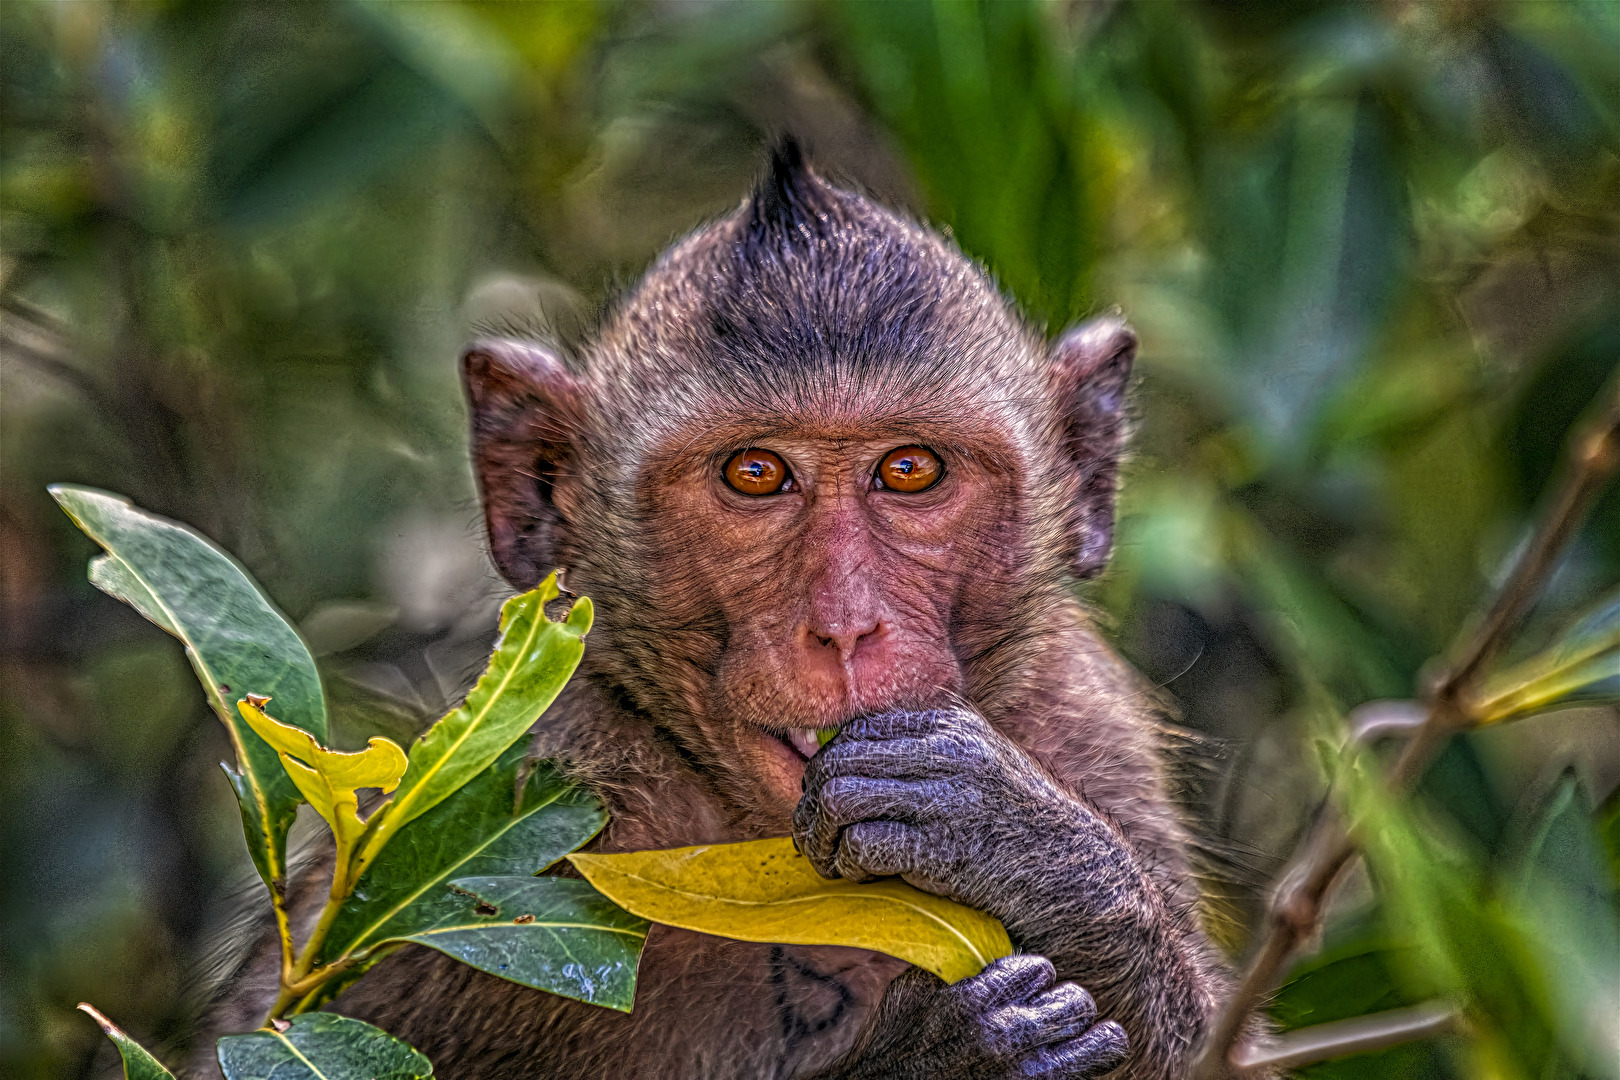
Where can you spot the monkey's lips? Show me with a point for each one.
(786, 754)
(803, 740)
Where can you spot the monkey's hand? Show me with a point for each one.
(1011, 1020)
(942, 799)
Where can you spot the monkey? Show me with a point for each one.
(817, 473)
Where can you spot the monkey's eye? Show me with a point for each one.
(910, 468)
(757, 472)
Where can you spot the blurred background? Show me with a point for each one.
(1373, 250)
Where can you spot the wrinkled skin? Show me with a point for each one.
(1013, 1019)
(940, 798)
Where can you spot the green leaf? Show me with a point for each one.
(320, 1046)
(1564, 898)
(329, 779)
(533, 659)
(764, 890)
(138, 1064)
(1586, 657)
(235, 638)
(554, 934)
(481, 830)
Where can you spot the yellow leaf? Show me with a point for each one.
(764, 890)
(328, 778)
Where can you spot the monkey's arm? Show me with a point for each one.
(942, 799)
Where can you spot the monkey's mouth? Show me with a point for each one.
(803, 741)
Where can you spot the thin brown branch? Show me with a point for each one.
(1295, 915)
(1362, 1035)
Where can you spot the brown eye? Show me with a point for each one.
(910, 468)
(757, 472)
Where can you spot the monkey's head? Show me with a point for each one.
(814, 466)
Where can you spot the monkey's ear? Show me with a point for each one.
(526, 412)
(1091, 371)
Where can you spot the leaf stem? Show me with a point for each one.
(1298, 902)
(301, 977)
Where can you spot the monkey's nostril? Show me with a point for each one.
(844, 642)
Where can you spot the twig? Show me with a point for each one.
(1296, 910)
(1362, 1035)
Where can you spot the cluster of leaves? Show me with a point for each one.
(454, 858)
(449, 861)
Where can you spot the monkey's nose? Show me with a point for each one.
(844, 638)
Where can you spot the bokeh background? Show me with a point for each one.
(1373, 250)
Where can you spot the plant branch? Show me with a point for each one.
(1297, 906)
(1361, 1035)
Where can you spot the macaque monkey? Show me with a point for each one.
(816, 473)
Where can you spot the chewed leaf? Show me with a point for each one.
(138, 1063)
(554, 934)
(320, 1046)
(533, 658)
(764, 890)
(328, 778)
(235, 639)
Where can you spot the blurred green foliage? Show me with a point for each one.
(1373, 251)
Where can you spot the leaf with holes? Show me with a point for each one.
(554, 934)
(764, 890)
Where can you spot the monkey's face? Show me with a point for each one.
(812, 467)
(843, 567)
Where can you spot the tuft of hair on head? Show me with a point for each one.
(790, 197)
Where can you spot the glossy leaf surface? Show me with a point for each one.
(533, 659)
(764, 890)
(138, 1063)
(321, 1046)
(235, 638)
(553, 934)
(481, 830)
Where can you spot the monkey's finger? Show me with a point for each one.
(848, 800)
(894, 724)
(1099, 1051)
(1007, 981)
(874, 849)
(1063, 1012)
(895, 759)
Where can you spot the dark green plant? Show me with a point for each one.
(449, 859)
